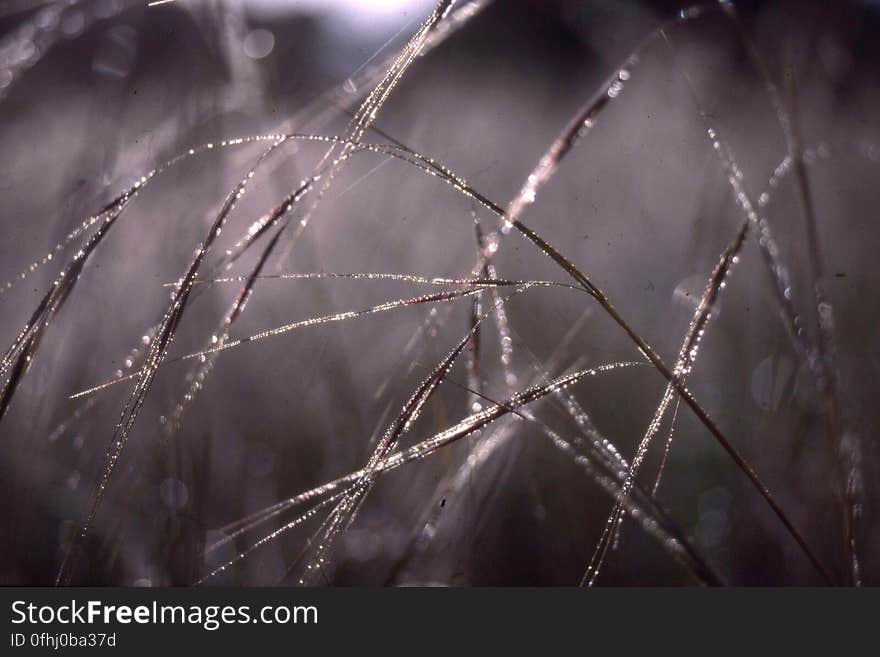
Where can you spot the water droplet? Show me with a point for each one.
(258, 44)
(173, 494)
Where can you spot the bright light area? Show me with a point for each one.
(367, 15)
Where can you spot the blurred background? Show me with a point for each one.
(96, 93)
